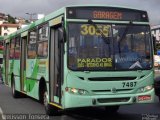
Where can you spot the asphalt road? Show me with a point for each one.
(28, 108)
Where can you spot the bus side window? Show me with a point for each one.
(42, 41)
(17, 47)
(11, 49)
(32, 44)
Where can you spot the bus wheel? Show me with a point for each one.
(50, 110)
(111, 109)
(15, 93)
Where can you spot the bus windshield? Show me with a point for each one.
(109, 47)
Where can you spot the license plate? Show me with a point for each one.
(144, 97)
(129, 84)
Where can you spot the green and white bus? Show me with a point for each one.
(82, 56)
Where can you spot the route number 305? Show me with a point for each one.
(129, 84)
(92, 30)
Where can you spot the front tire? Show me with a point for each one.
(50, 110)
(15, 93)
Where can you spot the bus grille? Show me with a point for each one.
(100, 92)
(111, 78)
(109, 100)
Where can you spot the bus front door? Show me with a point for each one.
(6, 63)
(23, 64)
(56, 64)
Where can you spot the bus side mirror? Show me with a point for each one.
(61, 32)
(61, 35)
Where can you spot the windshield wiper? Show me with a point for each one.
(123, 35)
(105, 39)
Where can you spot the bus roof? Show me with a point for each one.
(112, 6)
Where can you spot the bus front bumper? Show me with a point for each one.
(73, 101)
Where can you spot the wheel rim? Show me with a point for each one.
(13, 88)
(45, 100)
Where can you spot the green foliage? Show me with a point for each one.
(11, 19)
(27, 21)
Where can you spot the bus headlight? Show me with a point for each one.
(82, 92)
(76, 91)
(146, 88)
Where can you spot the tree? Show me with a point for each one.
(27, 21)
(11, 19)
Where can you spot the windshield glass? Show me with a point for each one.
(108, 47)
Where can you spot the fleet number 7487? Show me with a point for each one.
(129, 84)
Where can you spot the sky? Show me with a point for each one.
(19, 8)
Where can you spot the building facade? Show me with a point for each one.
(156, 32)
(6, 28)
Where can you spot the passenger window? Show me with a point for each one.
(43, 41)
(32, 44)
(11, 50)
(17, 47)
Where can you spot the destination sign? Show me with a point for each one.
(106, 13)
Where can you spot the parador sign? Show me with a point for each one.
(94, 62)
